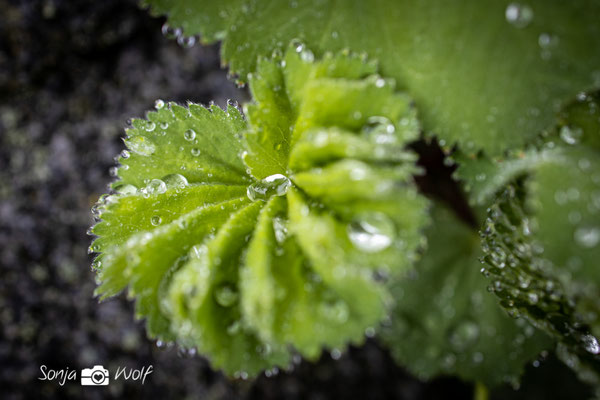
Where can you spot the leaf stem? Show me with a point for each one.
(480, 391)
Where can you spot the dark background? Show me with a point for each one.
(71, 74)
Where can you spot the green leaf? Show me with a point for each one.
(202, 144)
(488, 75)
(229, 246)
(445, 321)
(529, 284)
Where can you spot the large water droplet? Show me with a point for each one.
(141, 145)
(126, 189)
(274, 185)
(380, 130)
(156, 186)
(587, 236)
(226, 295)
(518, 15)
(371, 232)
(175, 181)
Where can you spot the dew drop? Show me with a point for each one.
(590, 343)
(141, 145)
(186, 42)
(587, 237)
(126, 189)
(155, 220)
(156, 186)
(307, 55)
(380, 130)
(234, 328)
(280, 229)
(226, 295)
(274, 185)
(518, 15)
(464, 335)
(170, 32)
(371, 232)
(175, 181)
(159, 104)
(336, 354)
(150, 126)
(189, 135)
(570, 135)
(195, 152)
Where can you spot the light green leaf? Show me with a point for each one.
(239, 252)
(445, 321)
(488, 75)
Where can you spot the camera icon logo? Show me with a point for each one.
(96, 376)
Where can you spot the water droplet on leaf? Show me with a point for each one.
(274, 185)
(380, 130)
(189, 135)
(141, 145)
(371, 232)
(156, 186)
(518, 15)
(175, 181)
(587, 237)
(226, 295)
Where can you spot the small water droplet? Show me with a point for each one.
(195, 152)
(380, 130)
(234, 328)
(587, 237)
(518, 15)
(189, 135)
(158, 104)
(274, 185)
(155, 220)
(186, 42)
(590, 343)
(280, 229)
(170, 32)
(570, 135)
(336, 354)
(226, 295)
(464, 335)
(150, 126)
(371, 232)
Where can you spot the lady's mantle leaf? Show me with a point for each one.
(445, 321)
(543, 239)
(488, 75)
(248, 246)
